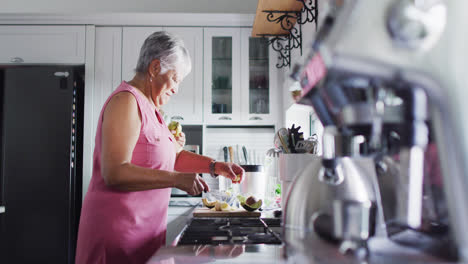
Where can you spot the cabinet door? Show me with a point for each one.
(107, 66)
(187, 105)
(258, 90)
(222, 75)
(42, 44)
(133, 38)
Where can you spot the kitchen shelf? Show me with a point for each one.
(264, 27)
(276, 20)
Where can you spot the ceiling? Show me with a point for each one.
(105, 6)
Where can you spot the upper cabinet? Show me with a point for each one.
(238, 84)
(222, 75)
(107, 67)
(231, 81)
(42, 44)
(257, 86)
(186, 105)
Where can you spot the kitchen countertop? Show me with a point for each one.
(188, 254)
(320, 253)
(185, 201)
(259, 254)
(383, 251)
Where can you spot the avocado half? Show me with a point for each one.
(252, 207)
(208, 204)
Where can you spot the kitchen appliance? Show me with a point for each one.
(221, 231)
(380, 79)
(206, 212)
(254, 182)
(41, 162)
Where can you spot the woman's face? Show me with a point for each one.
(164, 86)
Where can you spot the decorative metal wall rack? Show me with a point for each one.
(284, 43)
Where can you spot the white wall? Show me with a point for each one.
(98, 6)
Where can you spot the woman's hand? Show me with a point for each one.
(230, 170)
(190, 183)
(180, 139)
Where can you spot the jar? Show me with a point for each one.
(254, 182)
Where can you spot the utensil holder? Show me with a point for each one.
(290, 165)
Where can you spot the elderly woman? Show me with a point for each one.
(137, 161)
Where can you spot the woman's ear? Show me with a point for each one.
(154, 68)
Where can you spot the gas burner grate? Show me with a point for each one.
(231, 231)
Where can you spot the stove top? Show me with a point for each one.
(214, 231)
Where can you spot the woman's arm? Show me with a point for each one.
(190, 162)
(120, 131)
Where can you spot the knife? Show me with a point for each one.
(231, 154)
(225, 149)
(244, 150)
(283, 138)
(239, 155)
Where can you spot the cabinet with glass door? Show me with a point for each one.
(240, 72)
(222, 75)
(258, 85)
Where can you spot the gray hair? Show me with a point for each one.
(168, 49)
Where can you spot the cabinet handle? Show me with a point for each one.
(225, 118)
(2, 209)
(255, 118)
(177, 118)
(16, 60)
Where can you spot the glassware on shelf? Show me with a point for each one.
(258, 76)
(221, 102)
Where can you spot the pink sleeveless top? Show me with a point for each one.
(127, 227)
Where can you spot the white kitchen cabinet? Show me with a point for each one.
(258, 88)
(239, 88)
(222, 76)
(42, 44)
(104, 72)
(132, 40)
(107, 66)
(187, 105)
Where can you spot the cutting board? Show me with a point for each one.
(205, 212)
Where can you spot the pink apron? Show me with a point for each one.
(127, 227)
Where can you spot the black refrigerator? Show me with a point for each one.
(41, 162)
